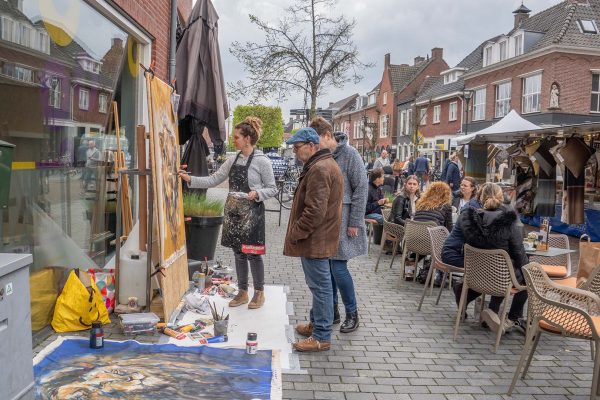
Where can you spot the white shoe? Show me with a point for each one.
(491, 319)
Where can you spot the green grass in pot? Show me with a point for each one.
(195, 205)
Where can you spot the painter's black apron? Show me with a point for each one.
(244, 222)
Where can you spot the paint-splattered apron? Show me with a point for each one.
(244, 222)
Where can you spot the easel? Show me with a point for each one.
(123, 185)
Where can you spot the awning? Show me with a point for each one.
(509, 128)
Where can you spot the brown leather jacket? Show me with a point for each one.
(316, 215)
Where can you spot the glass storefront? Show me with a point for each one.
(62, 64)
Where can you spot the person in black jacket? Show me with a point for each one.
(403, 207)
(452, 177)
(466, 195)
(434, 205)
(496, 226)
(375, 199)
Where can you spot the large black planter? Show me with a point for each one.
(201, 236)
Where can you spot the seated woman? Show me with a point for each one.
(495, 226)
(434, 205)
(375, 198)
(466, 195)
(403, 207)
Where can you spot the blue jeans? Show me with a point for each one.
(318, 278)
(341, 278)
(376, 217)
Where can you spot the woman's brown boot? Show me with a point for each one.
(257, 300)
(239, 299)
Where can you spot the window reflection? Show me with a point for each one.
(62, 64)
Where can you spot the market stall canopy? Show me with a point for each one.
(509, 128)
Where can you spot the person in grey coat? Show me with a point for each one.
(353, 232)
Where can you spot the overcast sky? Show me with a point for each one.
(403, 28)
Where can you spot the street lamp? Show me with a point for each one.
(467, 94)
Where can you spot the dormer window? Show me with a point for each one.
(587, 26)
(487, 55)
(518, 40)
(503, 50)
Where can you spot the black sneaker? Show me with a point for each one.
(520, 325)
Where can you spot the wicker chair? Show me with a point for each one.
(555, 267)
(562, 311)
(392, 232)
(416, 240)
(489, 272)
(437, 237)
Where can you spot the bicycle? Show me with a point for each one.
(288, 184)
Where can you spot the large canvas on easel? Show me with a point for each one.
(164, 152)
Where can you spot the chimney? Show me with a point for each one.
(117, 42)
(521, 14)
(386, 60)
(437, 53)
(419, 60)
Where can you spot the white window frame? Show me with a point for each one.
(54, 94)
(591, 30)
(25, 35)
(502, 101)
(384, 98)
(423, 116)
(503, 50)
(8, 27)
(532, 93)
(409, 121)
(383, 126)
(488, 55)
(103, 103)
(372, 98)
(453, 111)
(479, 99)
(437, 113)
(595, 93)
(84, 99)
(518, 43)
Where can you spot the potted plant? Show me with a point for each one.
(203, 220)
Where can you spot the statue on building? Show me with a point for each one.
(554, 96)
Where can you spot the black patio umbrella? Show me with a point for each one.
(203, 103)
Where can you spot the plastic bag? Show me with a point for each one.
(43, 286)
(77, 306)
(105, 280)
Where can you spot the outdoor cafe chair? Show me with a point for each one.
(559, 310)
(437, 237)
(416, 240)
(392, 232)
(489, 272)
(557, 267)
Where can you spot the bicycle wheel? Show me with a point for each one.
(287, 194)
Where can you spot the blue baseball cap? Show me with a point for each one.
(304, 135)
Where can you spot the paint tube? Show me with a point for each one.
(186, 328)
(175, 334)
(214, 339)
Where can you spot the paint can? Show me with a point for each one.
(96, 335)
(251, 343)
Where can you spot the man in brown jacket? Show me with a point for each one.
(313, 233)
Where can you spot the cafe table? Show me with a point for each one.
(551, 252)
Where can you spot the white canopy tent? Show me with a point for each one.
(509, 128)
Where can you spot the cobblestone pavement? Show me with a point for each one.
(400, 353)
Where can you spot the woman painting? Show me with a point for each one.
(403, 207)
(249, 172)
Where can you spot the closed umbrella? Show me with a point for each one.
(200, 83)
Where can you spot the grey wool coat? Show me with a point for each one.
(355, 199)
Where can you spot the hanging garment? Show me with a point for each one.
(244, 222)
(545, 199)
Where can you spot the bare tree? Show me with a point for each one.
(307, 52)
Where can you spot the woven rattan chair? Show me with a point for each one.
(555, 267)
(437, 237)
(489, 272)
(559, 310)
(416, 240)
(392, 232)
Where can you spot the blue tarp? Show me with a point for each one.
(591, 225)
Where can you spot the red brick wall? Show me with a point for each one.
(155, 17)
(444, 127)
(571, 71)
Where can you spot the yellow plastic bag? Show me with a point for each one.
(43, 297)
(76, 308)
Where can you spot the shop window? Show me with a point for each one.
(453, 111)
(595, 107)
(502, 99)
(479, 104)
(532, 88)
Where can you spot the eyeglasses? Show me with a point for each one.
(296, 148)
